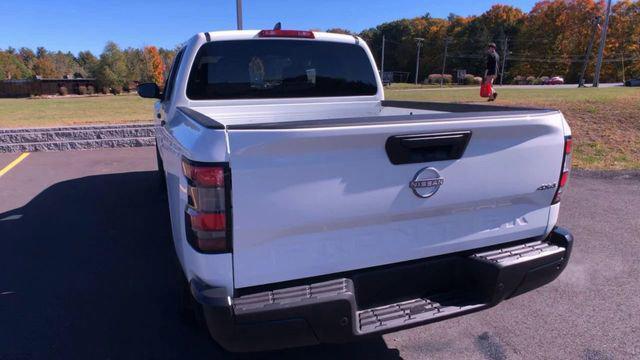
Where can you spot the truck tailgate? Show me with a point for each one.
(318, 198)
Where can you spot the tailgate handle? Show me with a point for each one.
(421, 148)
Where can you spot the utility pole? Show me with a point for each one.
(419, 43)
(603, 40)
(239, 13)
(623, 77)
(596, 23)
(444, 60)
(504, 57)
(382, 60)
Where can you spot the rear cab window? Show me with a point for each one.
(276, 68)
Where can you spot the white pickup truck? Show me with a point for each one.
(307, 209)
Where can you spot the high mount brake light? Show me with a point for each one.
(286, 34)
(566, 168)
(207, 217)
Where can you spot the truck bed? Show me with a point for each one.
(387, 111)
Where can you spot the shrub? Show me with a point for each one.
(468, 79)
(544, 79)
(477, 80)
(116, 90)
(82, 90)
(435, 79)
(519, 80)
(530, 80)
(105, 90)
(91, 90)
(62, 90)
(538, 81)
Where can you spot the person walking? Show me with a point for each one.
(493, 59)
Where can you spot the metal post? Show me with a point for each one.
(419, 42)
(382, 60)
(603, 40)
(444, 60)
(239, 13)
(587, 55)
(504, 57)
(623, 77)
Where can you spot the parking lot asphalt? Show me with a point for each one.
(87, 272)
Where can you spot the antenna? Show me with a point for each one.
(278, 26)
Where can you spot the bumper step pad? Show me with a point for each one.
(417, 310)
(520, 253)
(291, 296)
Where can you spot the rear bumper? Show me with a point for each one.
(381, 300)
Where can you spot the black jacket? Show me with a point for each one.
(492, 63)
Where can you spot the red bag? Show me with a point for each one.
(485, 89)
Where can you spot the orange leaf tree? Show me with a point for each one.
(155, 65)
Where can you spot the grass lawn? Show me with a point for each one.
(605, 122)
(74, 110)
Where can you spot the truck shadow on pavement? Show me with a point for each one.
(88, 271)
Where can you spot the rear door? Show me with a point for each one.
(318, 198)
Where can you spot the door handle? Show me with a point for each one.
(419, 148)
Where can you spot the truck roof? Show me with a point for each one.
(253, 34)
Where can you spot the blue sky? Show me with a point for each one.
(74, 25)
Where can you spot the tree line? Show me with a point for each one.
(114, 68)
(549, 40)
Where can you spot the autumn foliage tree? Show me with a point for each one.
(155, 66)
(549, 40)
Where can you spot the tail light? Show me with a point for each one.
(566, 168)
(286, 34)
(208, 214)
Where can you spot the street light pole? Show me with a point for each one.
(603, 40)
(239, 13)
(419, 43)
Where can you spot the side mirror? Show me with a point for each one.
(149, 90)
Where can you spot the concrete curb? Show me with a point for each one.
(608, 174)
(77, 137)
(76, 127)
